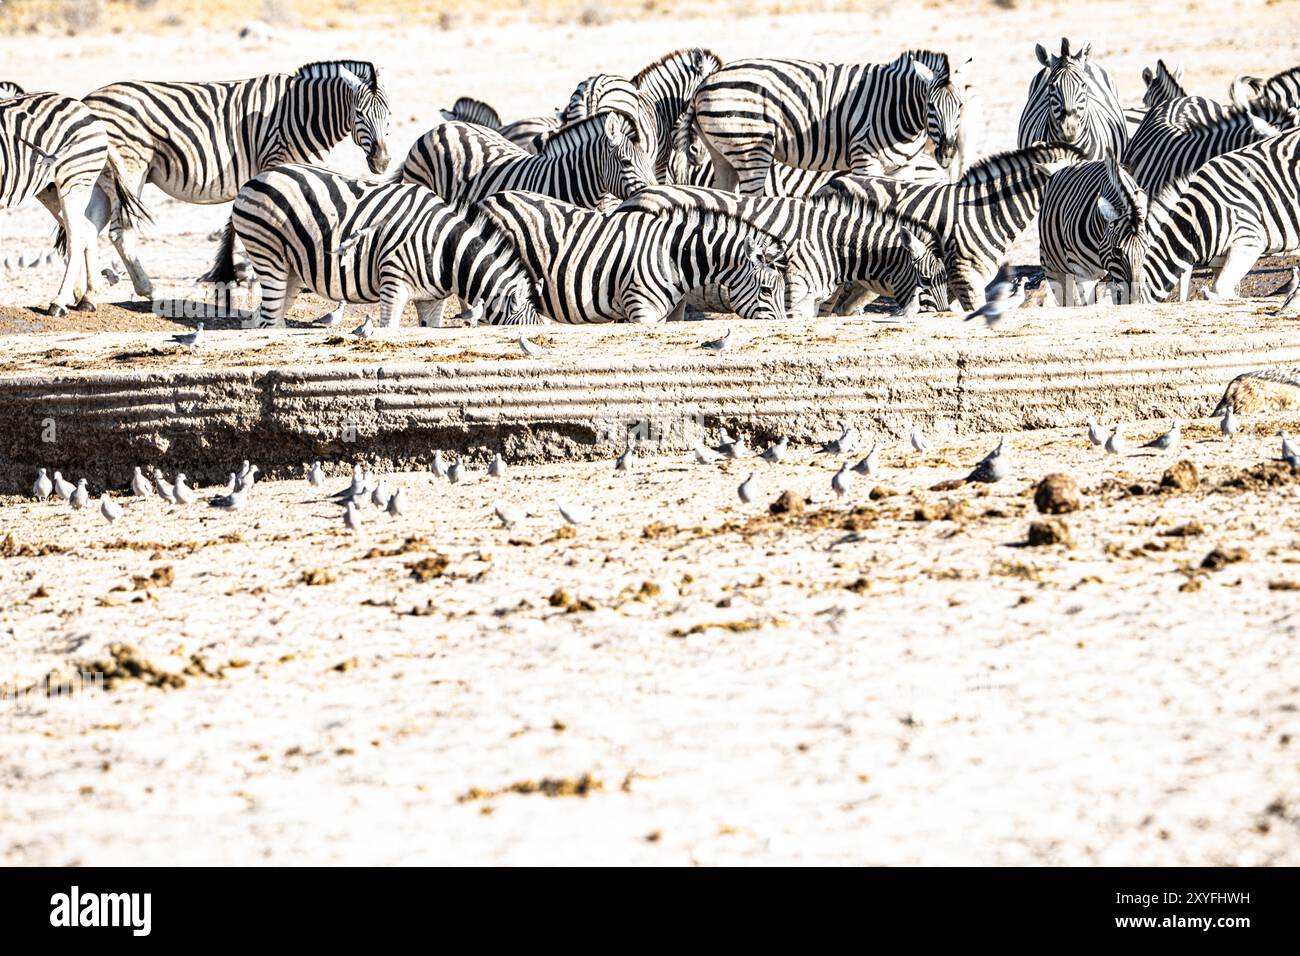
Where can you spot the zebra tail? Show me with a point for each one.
(223, 267)
(131, 211)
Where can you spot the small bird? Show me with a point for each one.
(719, 344)
(734, 449)
(1001, 299)
(1168, 440)
(354, 240)
(316, 477)
(231, 502)
(994, 466)
(575, 514)
(870, 464)
(508, 515)
(775, 451)
(331, 318)
(352, 518)
(1228, 425)
(79, 496)
(439, 466)
(456, 473)
(1115, 443)
(920, 442)
(183, 493)
(379, 495)
(845, 444)
(748, 489)
(365, 330)
(706, 456)
(232, 483)
(63, 489)
(140, 485)
(41, 490)
(472, 315)
(1096, 434)
(1289, 449)
(44, 160)
(625, 461)
(1289, 290)
(842, 481)
(247, 479)
(396, 504)
(111, 275)
(498, 467)
(531, 349)
(190, 340)
(166, 491)
(108, 509)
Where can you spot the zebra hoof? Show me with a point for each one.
(85, 305)
(56, 311)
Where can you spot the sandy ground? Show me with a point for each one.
(893, 678)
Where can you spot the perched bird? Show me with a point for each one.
(232, 483)
(845, 444)
(379, 495)
(625, 461)
(182, 492)
(920, 442)
(735, 449)
(79, 496)
(140, 485)
(472, 315)
(1002, 297)
(706, 456)
(775, 451)
(718, 344)
(748, 489)
(498, 467)
(248, 478)
(109, 509)
(365, 330)
(994, 466)
(190, 340)
(166, 491)
(331, 318)
(396, 504)
(111, 275)
(1289, 449)
(41, 490)
(531, 349)
(1096, 434)
(63, 489)
(352, 518)
(231, 502)
(870, 464)
(439, 466)
(575, 514)
(1168, 440)
(842, 481)
(1228, 425)
(1115, 443)
(45, 160)
(316, 477)
(456, 473)
(508, 515)
(1289, 291)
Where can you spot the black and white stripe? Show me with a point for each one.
(1283, 87)
(1072, 100)
(9, 90)
(352, 240)
(630, 266)
(526, 133)
(200, 142)
(580, 163)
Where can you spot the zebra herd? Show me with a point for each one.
(765, 187)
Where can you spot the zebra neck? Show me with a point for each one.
(313, 118)
(1178, 242)
(998, 210)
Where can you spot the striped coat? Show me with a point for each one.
(1072, 100)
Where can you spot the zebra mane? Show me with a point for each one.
(935, 61)
(469, 110)
(702, 61)
(362, 69)
(1018, 161)
(1285, 77)
(579, 133)
(9, 91)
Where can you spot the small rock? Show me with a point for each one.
(1181, 476)
(1049, 532)
(1058, 494)
(1192, 529)
(788, 504)
(1220, 558)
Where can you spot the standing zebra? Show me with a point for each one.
(1162, 84)
(200, 142)
(52, 147)
(634, 267)
(1072, 100)
(978, 217)
(357, 241)
(596, 156)
(525, 133)
(1234, 209)
(832, 241)
(820, 116)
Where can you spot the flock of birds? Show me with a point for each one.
(367, 490)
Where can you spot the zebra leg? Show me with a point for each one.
(123, 236)
(1087, 290)
(279, 290)
(1185, 286)
(1239, 261)
(678, 313)
(724, 174)
(430, 313)
(393, 296)
(854, 298)
(79, 233)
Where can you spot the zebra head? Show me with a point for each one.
(1267, 116)
(946, 98)
(513, 305)
(1124, 207)
(757, 291)
(808, 280)
(370, 116)
(1162, 85)
(688, 156)
(627, 167)
(1068, 94)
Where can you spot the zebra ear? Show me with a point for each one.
(1082, 56)
(1240, 93)
(614, 128)
(1107, 209)
(924, 72)
(1147, 75)
(912, 242)
(1262, 126)
(1043, 56)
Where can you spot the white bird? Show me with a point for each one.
(232, 484)
(63, 489)
(472, 315)
(842, 481)
(41, 490)
(439, 467)
(79, 496)
(1228, 425)
(456, 473)
(396, 503)
(1115, 443)
(1168, 440)
(316, 477)
(231, 502)
(625, 461)
(166, 491)
(508, 515)
(706, 456)
(871, 463)
(845, 444)
(365, 330)
(190, 340)
(1001, 299)
(531, 349)
(182, 492)
(140, 485)
(719, 344)
(331, 318)
(1096, 434)
(248, 478)
(498, 467)
(994, 466)
(1289, 291)
(379, 495)
(108, 509)
(735, 449)
(748, 489)
(1289, 449)
(775, 451)
(575, 514)
(352, 518)
(920, 442)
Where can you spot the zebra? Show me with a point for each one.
(200, 142)
(1072, 100)
(1234, 209)
(977, 217)
(355, 240)
(1162, 84)
(52, 147)
(1283, 87)
(864, 118)
(831, 241)
(525, 133)
(581, 163)
(634, 267)
(9, 91)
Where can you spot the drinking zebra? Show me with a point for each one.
(352, 240)
(864, 118)
(1072, 100)
(580, 163)
(52, 147)
(525, 133)
(832, 242)
(200, 142)
(976, 218)
(635, 267)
